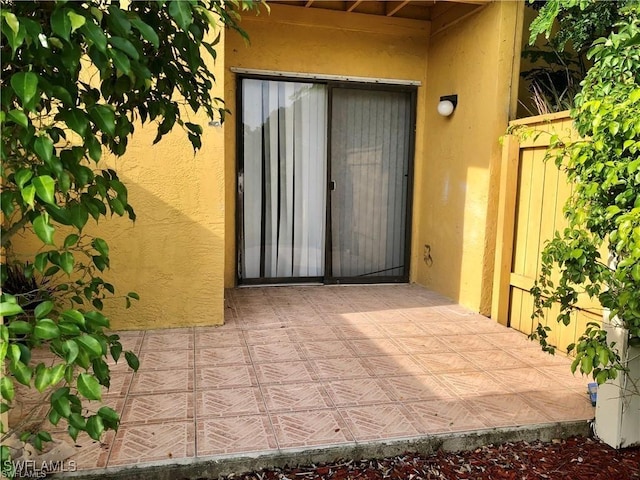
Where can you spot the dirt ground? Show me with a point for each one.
(575, 458)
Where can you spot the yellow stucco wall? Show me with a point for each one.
(294, 39)
(457, 182)
(173, 255)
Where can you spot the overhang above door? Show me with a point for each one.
(436, 11)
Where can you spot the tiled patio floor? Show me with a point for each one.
(297, 367)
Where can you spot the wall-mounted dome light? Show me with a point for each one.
(447, 105)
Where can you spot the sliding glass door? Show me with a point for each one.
(324, 179)
(283, 180)
(370, 148)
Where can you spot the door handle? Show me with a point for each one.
(332, 185)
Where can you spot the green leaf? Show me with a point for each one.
(132, 360)
(8, 309)
(66, 262)
(61, 23)
(95, 427)
(70, 351)
(109, 414)
(29, 195)
(45, 188)
(20, 327)
(6, 388)
(125, 46)
(76, 21)
(94, 147)
(19, 117)
(148, 33)
(71, 240)
(43, 229)
(76, 120)
(42, 377)
(57, 374)
(54, 416)
(97, 319)
(43, 147)
(89, 387)
(90, 344)
(73, 316)
(180, 11)
(21, 372)
(22, 176)
(120, 61)
(95, 35)
(133, 295)
(101, 246)
(12, 21)
(43, 309)
(104, 118)
(46, 329)
(25, 84)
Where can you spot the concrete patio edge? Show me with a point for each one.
(215, 466)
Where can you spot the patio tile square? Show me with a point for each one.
(467, 343)
(275, 352)
(480, 324)
(228, 402)
(222, 356)
(561, 405)
(506, 410)
(525, 379)
(379, 421)
(472, 384)
(156, 381)
(445, 362)
(284, 372)
(313, 333)
(249, 433)
(305, 429)
(358, 330)
(387, 365)
(326, 349)
(357, 392)
(416, 387)
(213, 337)
(441, 329)
(510, 339)
(295, 397)
(89, 453)
(136, 444)
(493, 359)
(255, 310)
(164, 360)
(267, 335)
(160, 407)
(375, 346)
(224, 376)
(387, 316)
(562, 374)
(339, 368)
(402, 329)
(421, 344)
(167, 341)
(536, 357)
(438, 416)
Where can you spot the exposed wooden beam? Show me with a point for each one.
(395, 7)
(472, 2)
(354, 5)
(308, 4)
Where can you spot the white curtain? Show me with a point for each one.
(283, 179)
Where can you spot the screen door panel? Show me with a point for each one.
(370, 150)
(283, 179)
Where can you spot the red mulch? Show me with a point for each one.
(575, 458)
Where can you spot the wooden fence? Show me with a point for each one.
(532, 196)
